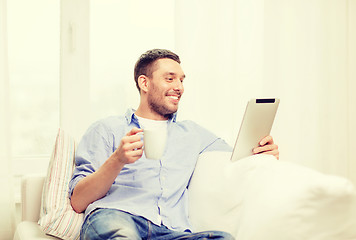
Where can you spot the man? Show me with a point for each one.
(126, 196)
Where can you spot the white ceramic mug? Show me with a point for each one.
(154, 141)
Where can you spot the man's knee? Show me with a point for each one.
(109, 224)
(92, 233)
(220, 235)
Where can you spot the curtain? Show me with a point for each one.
(7, 208)
(300, 51)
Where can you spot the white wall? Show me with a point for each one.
(300, 51)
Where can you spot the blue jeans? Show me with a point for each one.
(114, 224)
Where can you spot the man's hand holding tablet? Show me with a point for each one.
(267, 146)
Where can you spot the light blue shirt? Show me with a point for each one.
(153, 189)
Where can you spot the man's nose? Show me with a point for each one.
(179, 86)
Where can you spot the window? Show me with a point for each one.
(33, 57)
(119, 32)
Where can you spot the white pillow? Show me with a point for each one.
(260, 198)
(57, 217)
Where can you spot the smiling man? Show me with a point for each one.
(124, 194)
(161, 89)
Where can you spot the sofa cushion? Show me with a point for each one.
(261, 198)
(57, 217)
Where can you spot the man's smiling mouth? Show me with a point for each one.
(174, 97)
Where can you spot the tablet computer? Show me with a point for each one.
(256, 124)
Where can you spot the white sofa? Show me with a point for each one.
(31, 192)
(257, 198)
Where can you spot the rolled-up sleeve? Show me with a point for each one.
(93, 150)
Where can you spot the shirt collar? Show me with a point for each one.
(131, 117)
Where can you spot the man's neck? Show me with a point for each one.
(149, 114)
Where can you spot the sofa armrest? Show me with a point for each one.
(28, 230)
(31, 194)
(259, 197)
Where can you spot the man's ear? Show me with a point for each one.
(143, 83)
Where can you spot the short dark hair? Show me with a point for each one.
(145, 64)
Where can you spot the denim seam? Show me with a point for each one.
(189, 236)
(149, 230)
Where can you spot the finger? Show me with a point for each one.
(136, 154)
(274, 152)
(258, 150)
(265, 148)
(134, 138)
(136, 145)
(134, 131)
(129, 146)
(130, 139)
(133, 156)
(266, 140)
(131, 152)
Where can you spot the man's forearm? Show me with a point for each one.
(96, 185)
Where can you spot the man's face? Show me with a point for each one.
(165, 87)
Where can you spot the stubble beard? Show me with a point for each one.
(157, 106)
